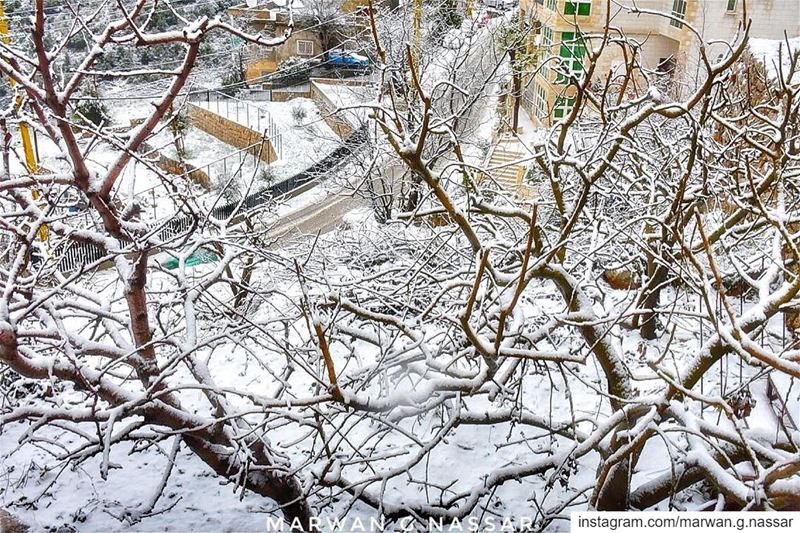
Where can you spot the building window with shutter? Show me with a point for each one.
(563, 106)
(582, 8)
(731, 6)
(571, 53)
(679, 12)
(305, 48)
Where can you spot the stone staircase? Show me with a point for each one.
(503, 165)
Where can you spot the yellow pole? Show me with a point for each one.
(24, 129)
(417, 26)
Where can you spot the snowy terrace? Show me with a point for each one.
(303, 137)
(342, 95)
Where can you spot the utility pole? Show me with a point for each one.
(24, 129)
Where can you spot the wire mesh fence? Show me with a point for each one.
(241, 112)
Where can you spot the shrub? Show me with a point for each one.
(299, 114)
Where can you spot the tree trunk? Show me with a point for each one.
(516, 90)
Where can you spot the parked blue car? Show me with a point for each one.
(351, 60)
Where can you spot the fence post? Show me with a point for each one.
(703, 377)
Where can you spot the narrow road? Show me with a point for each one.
(318, 217)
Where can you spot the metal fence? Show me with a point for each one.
(235, 164)
(239, 111)
(268, 94)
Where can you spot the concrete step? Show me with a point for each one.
(510, 163)
(507, 180)
(506, 155)
(505, 171)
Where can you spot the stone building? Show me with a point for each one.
(307, 41)
(561, 30)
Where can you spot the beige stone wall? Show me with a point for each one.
(285, 96)
(255, 70)
(262, 60)
(289, 48)
(769, 18)
(231, 132)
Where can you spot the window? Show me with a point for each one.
(305, 48)
(545, 45)
(679, 12)
(571, 54)
(541, 101)
(547, 36)
(563, 106)
(731, 6)
(551, 5)
(578, 7)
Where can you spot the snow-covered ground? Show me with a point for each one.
(776, 54)
(347, 99)
(196, 500)
(305, 138)
(279, 353)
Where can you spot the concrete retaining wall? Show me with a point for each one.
(326, 108)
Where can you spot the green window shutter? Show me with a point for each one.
(558, 113)
(569, 8)
(584, 9)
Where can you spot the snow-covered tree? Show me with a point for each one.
(600, 344)
(112, 343)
